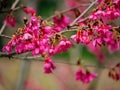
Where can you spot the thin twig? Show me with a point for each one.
(2, 28)
(84, 19)
(67, 31)
(4, 54)
(12, 7)
(84, 12)
(14, 4)
(12, 10)
(70, 9)
(9, 37)
(41, 59)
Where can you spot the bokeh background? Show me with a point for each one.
(18, 74)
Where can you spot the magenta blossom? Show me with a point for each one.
(29, 10)
(85, 76)
(7, 48)
(61, 21)
(99, 1)
(48, 66)
(27, 36)
(82, 37)
(110, 13)
(10, 21)
(63, 45)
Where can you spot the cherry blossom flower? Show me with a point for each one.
(29, 10)
(48, 66)
(61, 21)
(114, 72)
(7, 48)
(63, 46)
(108, 13)
(43, 38)
(99, 1)
(85, 76)
(82, 37)
(27, 36)
(117, 3)
(10, 20)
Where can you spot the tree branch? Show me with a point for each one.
(14, 4)
(9, 37)
(70, 9)
(84, 12)
(41, 59)
(12, 10)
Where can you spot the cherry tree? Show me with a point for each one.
(91, 24)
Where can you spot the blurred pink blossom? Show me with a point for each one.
(10, 20)
(85, 76)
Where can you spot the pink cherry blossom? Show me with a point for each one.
(29, 10)
(109, 13)
(10, 20)
(7, 48)
(48, 66)
(46, 38)
(82, 37)
(61, 21)
(27, 36)
(63, 45)
(99, 1)
(117, 2)
(114, 72)
(85, 76)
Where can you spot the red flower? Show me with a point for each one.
(29, 10)
(48, 66)
(63, 45)
(85, 76)
(61, 21)
(114, 72)
(10, 20)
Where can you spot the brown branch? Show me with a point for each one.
(2, 28)
(67, 10)
(4, 54)
(41, 59)
(84, 12)
(14, 4)
(9, 37)
(13, 10)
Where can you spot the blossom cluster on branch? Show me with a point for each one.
(45, 38)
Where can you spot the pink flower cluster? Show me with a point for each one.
(95, 32)
(100, 35)
(40, 39)
(36, 38)
(85, 76)
(61, 21)
(107, 11)
(43, 38)
(82, 36)
(63, 46)
(48, 66)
